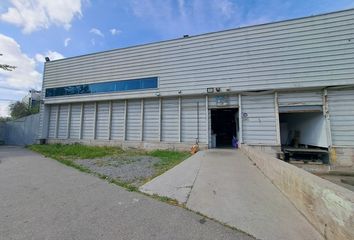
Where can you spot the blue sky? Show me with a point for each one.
(33, 29)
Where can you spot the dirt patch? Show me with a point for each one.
(130, 169)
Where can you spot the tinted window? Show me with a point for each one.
(116, 86)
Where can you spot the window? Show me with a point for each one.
(116, 86)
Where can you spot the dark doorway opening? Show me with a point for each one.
(224, 126)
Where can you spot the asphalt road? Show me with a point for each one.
(43, 199)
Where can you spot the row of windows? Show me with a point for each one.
(116, 86)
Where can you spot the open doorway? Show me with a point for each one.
(304, 136)
(224, 127)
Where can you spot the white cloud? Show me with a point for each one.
(93, 42)
(41, 14)
(66, 41)
(226, 8)
(4, 108)
(175, 19)
(15, 84)
(53, 55)
(97, 32)
(115, 31)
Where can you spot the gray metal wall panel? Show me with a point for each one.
(306, 52)
(190, 120)
(117, 128)
(88, 121)
(22, 131)
(151, 119)
(300, 98)
(63, 121)
(341, 112)
(170, 122)
(41, 131)
(75, 121)
(102, 126)
(52, 121)
(134, 120)
(259, 126)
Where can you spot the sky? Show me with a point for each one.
(30, 30)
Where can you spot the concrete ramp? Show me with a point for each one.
(228, 187)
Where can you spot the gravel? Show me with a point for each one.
(130, 169)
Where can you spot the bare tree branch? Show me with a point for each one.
(6, 67)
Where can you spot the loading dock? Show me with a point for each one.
(303, 134)
(224, 127)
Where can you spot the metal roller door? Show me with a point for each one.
(258, 119)
(341, 114)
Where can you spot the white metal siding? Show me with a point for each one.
(151, 119)
(88, 121)
(63, 121)
(306, 52)
(300, 98)
(216, 101)
(117, 129)
(341, 112)
(75, 121)
(134, 120)
(190, 120)
(43, 109)
(52, 121)
(102, 125)
(170, 121)
(259, 126)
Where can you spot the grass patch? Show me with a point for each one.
(68, 153)
(74, 151)
(169, 159)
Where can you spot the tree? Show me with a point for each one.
(19, 110)
(6, 67)
(4, 119)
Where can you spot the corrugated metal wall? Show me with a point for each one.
(193, 119)
(307, 52)
(22, 131)
(300, 98)
(118, 116)
(75, 121)
(259, 119)
(88, 121)
(63, 121)
(52, 121)
(102, 125)
(151, 119)
(170, 121)
(223, 101)
(172, 130)
(341, 112)
(134, 120)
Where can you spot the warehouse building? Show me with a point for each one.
(288, 83)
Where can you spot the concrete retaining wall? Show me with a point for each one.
(327, 206)
(342, 157)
